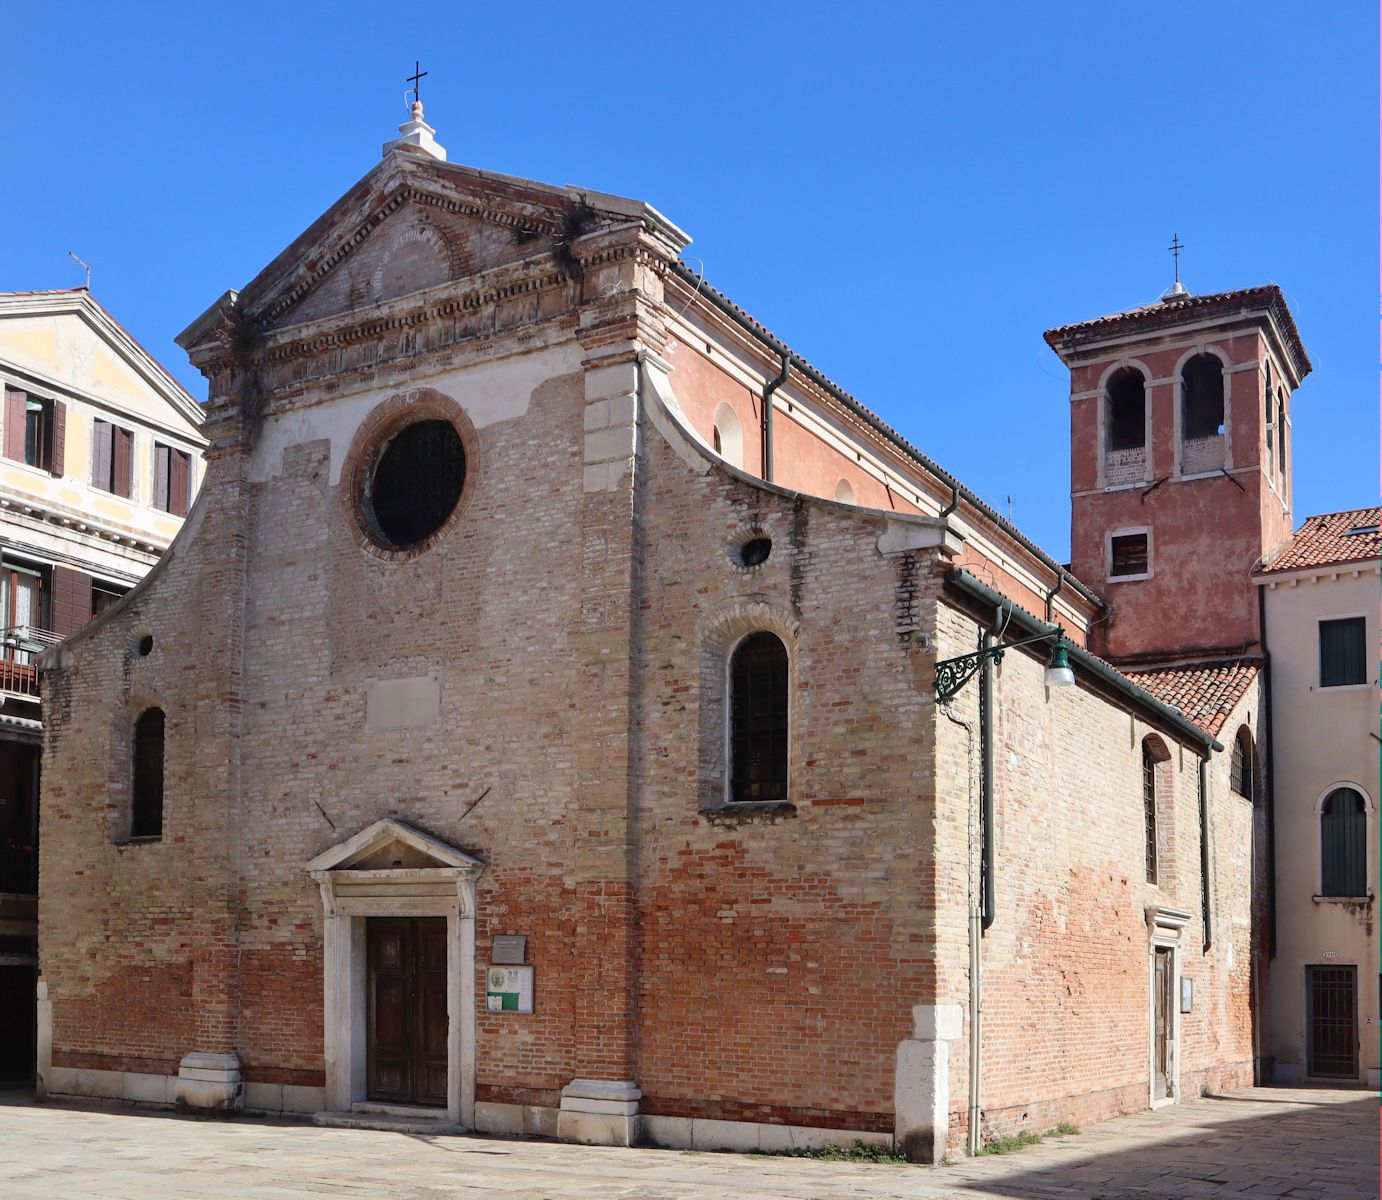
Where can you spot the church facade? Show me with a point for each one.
(580, 717)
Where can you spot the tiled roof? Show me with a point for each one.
(1214, 304)
(1205, 692)
(1330, 539)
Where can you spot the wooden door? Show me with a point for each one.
(1163, 1023)
(406, 1054)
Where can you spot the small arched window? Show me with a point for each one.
(146, 783)
(758, 684)
(1127, 410)
(1267, 412)
(1243, 765)
(728, 436)
(1153, 753)
(1344, 844)
(1281, 432)
(1202, 397)
(844, 492)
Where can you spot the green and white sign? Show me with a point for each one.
(509, 989)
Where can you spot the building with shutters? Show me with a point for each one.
(99, 449)
(568, 711)
(1320, 597)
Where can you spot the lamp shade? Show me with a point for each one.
(1058, 670)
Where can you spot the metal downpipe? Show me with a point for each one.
(767, 416)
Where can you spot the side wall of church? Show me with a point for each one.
(780, 954)
(1066, 964)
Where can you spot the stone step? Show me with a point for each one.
(388, 1122)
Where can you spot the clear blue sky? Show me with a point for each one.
(907, 194)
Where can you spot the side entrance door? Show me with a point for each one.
(1333, 1017)
(1163, 1023)
(407, 1010)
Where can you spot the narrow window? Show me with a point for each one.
(172, 479)
(1281, 432)
(758, 719)
(111, 448)
(1150, 758)
(1267, 412)
(1128, 555)
(1127, 410)
(146, 786)
(1202, 398)
(1243, 765)
(1343, 844)
(729, 435)
(1343, 652)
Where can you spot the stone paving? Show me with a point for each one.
(1262, 1142)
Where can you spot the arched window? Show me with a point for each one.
(758, 719)
(1344, 844)
(1127, 410)
(1242, 776)
(1153, 753)
(1281, 432)
(1267, 412)
(1202, 398)
(728, 436)
(844, 492)
(146, 784)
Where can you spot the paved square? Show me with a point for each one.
(1262, 1142)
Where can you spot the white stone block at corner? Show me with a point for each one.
(604, 444)
(938, 1022)
(595, 1129)
(603, 1089)
(204, 1060)
(540, 1121)
(617, 379)
(618, 1108)
(597, 415)
(623, 410)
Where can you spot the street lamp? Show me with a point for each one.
(953, 673)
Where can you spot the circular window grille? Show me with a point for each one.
(415, 483)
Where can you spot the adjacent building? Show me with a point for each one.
(1320, 599)
(100, 454)
(568, 711)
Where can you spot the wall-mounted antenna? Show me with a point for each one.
(81, 262)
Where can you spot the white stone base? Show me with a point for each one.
(696, 1133)
(132, 1087)
(1374, 1078)
(284, 1097)
(600, 1112)
(515, 1120)
(209, 1083)
(921, 1089)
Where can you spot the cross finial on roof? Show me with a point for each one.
(416, 79)
(1175, 248)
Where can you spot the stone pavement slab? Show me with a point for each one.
(1261, 1142)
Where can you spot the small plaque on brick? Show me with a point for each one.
(508, 989)
(509, 948)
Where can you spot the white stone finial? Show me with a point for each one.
(417, 135)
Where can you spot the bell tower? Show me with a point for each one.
(1180, 465)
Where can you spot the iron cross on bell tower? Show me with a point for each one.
(416, 79)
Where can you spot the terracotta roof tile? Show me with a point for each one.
(1206, 692)
(1216, 303)
(1330, 539)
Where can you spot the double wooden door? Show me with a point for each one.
(407, 1010)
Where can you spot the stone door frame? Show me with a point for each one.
(1165, 927)
(351, 893)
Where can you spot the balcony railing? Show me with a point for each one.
(19, 870)
(20, 647)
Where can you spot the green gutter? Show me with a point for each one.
(1084, 660)
(744, 321)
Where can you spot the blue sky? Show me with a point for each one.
(906, 194)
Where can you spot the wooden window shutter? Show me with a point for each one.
(161, 454)
(122, 453)
(57, 459)
(71, 600)
(101, 437)
(178, 480)
(14, 424)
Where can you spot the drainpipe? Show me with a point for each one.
(767, 417)
(1052, 594)
(1204, 851)
(954, 501)
(1268, 774)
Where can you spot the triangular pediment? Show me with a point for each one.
(414, 223)
(391, 845)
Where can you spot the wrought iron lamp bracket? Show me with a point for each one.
(953, 673)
